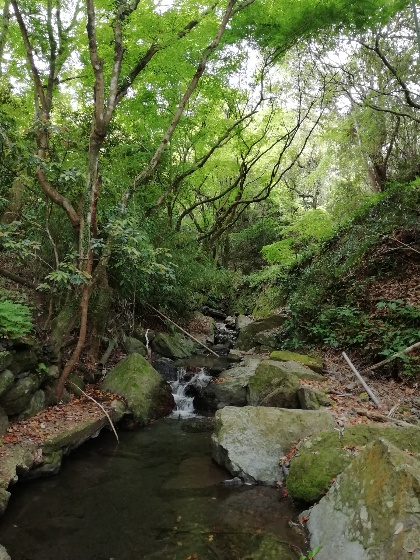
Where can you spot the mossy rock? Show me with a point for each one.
(271, 386)
(172, 346)
(4, 421)
(6, 381)
(134, 346)
(36, 404)
(75, 385)
(324, 456)
(309, 361)
(311, 399)
(147, 396)
(246, 339)
(6, 358)
(19, 396)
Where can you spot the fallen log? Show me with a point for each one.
(396, 355)
(381, 417)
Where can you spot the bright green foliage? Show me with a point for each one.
(15, 319)
(300, 237)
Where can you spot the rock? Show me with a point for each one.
(49, 464)
(53, 372)
(25, 360)
(230, 322)
(6, 381)
(215, 313)
(11, 466)
(268, 339)
(249, 441)
(271, 386)
(172, 346)
(309, 361)
(4, 422)
(36, 404)
(310, 399)
(243, 321)
(134, 346)
(271, 548)
(75, 385)
(373, 509)
(302, 372)
(231, 392)
(166, 368)
(325, 456)
(246, 339)
(147, 395)
(6, 358)
(140, 333)
(16, 399)
(3, 553)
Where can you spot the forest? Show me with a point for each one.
(180, 154)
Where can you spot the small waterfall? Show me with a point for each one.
(184, 406)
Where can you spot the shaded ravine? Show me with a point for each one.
(157, 495)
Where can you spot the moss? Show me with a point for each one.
(323, 457)
(309, 361)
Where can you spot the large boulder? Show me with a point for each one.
(246, 339)
(172, 346)
(309, 361)
(324, 456)
(24, 360)
(134, 346)
(16, 399)
(230, 391)
(6, 381)
(372, 512)
(271, 386)
(250, 441)
(6, 358)
(147, 395)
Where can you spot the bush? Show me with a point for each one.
(15, 319)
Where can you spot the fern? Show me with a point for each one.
(15, 319)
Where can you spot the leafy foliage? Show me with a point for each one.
(15, 319)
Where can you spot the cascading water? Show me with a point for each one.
(184, 406)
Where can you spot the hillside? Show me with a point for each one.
(361, 290)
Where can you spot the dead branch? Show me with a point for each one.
(397, 355)
(381, 417)
(100, 406)
(183, 330)
(362, 381)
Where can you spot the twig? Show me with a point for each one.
(181, 329)
(397, 355)
(405, 245)
(100, 406)
(362, 381)
(381, 417)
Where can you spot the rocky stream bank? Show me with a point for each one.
(282, 419)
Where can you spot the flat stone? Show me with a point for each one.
(309, 361)
(6, 381)
(250, 441)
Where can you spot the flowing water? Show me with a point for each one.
(155, 496)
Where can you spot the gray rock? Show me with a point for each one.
(147, 395)
(251, 440)
(75, 385)
(246, 339)
(134, 345)
(3, 553)
(372, 511)
(243, 321)
(17, 399)
(310, 399)
(4, 422)
(25, 360)
(302, 372)
(6, 381)
(166, 368)
(6, 358)
(53, 372)
(231, 392)
(268, 339)
(36, 404)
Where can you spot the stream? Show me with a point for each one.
(157, 495)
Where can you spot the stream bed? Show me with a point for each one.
(156, 495)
